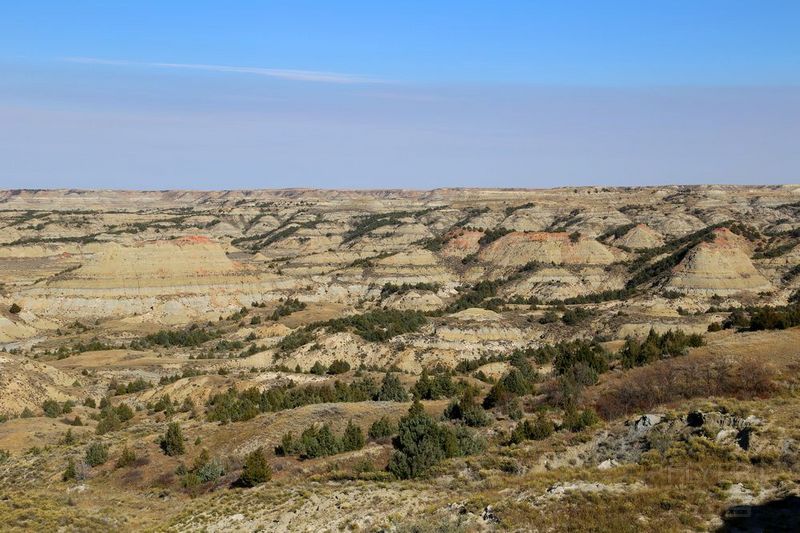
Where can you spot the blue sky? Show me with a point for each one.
(410, 94)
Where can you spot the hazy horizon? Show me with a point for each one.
(358, 96)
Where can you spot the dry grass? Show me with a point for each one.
(750, 365)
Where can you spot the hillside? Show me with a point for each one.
(584, 359)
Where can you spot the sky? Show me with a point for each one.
(363, 94)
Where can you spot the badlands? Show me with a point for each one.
(606, 359)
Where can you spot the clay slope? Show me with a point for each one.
(721, 266)
(25, 384)
(461, 243)
(173, 281)
(184, 261)
(557, 283)
(518, 248)
(639, 237)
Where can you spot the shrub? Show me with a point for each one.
(737, 319)
(14, 309)
(288, 307)
(369, 223)
(491, 235)
(474, 296)
(574, 316)
(657, 346)
(339, 367)
(193, 336)
(112, 418)
(51, 408)
(390, 288)
(549, 317)
(68, 438)
(318, 368)
(517, 382)
(256, 469)
(566, 355)
(126, 458)
(89, 402)
(96, 454)
(527, 430)
(205, 468)
(137, 385)
(381, 428)
(172, 441)
(235, 405)
(692, 376)
(578, 420)
(440, 386)
(318, 442)
(774, 317)
(378, 325)
(124, 412)
(296, 339)
(467, 410)
(70, 473)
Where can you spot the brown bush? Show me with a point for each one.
(640, 389)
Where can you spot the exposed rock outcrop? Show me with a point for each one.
(721, 266)
(517, 249)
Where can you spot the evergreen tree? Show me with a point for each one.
(96, 454)
(381, 428)
(353, 438)
(339, 367)
(71, 473)
(391, 390)
(256, 469)
(172, 441)
(418, 444)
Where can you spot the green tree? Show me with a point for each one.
(578, 420)
(339, 367)
(381, 428)
(124, 412)
(421, 443)
(71, 473)
(391, 390)
(172, 441)
(318, 368)
(467, 410)
(353, 438)
(109, 421)
(527, 430)
(96, 454)
(418, 444)
(318, 442)
(256, 469)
